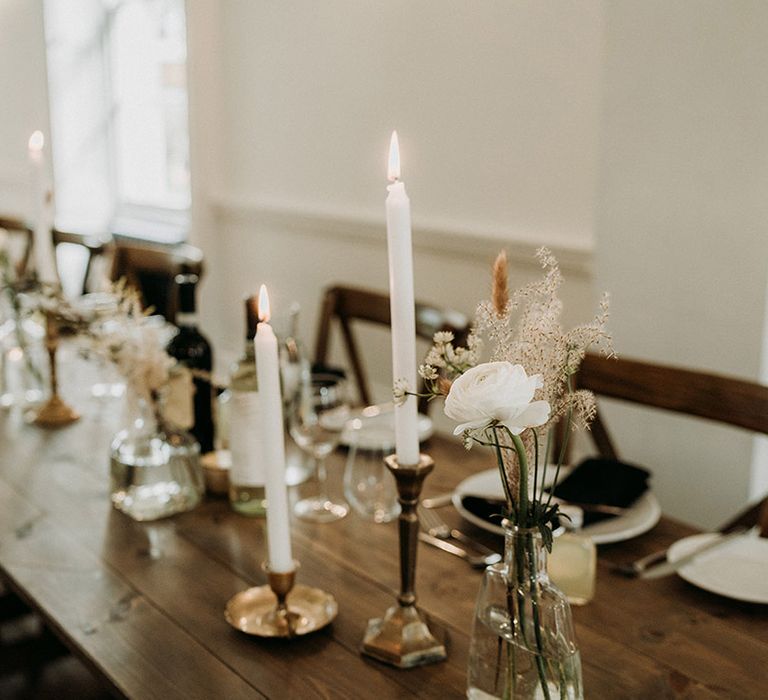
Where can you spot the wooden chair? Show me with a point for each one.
(351, 304)
(152, 269)
(726, 400)
(78, 255)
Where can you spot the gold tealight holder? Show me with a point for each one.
(402, 637)
(55, 412)
(281, 608)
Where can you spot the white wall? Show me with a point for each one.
(682, 214)
(496, 108)
(497, 114)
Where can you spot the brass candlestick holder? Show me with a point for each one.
(266, 611)
(402, 638)
(55, 413)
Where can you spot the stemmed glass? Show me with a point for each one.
(317, 418)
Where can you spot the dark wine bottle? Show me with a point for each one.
(192, 349)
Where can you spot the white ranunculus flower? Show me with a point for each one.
(496, 391)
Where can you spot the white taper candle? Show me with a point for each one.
(402, 308)
(43, 251)
(273, 446)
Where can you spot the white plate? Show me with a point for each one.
(377, 428)
(639, 518)
(737, 569)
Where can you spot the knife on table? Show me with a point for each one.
(757, 513)
(669, 567)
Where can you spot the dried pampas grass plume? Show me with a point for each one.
(500, 287)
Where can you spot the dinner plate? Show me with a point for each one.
(737, 569)
(640, 517)
(377, 427)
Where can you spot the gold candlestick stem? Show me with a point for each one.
(283, 620)
(402, 637)
(55, 413)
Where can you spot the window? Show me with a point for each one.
(118, 101)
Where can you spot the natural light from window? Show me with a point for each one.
(118, 101)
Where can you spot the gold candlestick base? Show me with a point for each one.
(402, 637)
(55, 413)
(281, 609)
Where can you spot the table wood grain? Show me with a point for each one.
(142, 603)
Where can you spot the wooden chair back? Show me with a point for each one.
(152, 269)
(19, 242)
(726, 400)
(352, 304)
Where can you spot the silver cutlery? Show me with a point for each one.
(434, 525)
(475, 561)
(438, 501)
(646, 568)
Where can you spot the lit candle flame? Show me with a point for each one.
(36, 142)
(264, 314)
(393, 171)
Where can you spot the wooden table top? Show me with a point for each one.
(142, 603)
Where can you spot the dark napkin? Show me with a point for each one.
(606, 482)
(333, 370)
(489, 509)
(601, 481)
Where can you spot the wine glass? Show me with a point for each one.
(317, 418)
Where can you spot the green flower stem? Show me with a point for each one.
(536, 618)
(564, 447)
(495, 445)
(536, 464)
(547, 448)
(522, 459)
(500, 461)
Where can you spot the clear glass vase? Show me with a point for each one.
(155, 468)
(523, 644)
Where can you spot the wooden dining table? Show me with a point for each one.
(142, 604)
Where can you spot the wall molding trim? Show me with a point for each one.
(575, 257)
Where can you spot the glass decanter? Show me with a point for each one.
(523, 644)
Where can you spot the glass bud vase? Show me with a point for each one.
(523, 644)
(22, 363)
(155, 468)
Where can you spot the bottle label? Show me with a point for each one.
(178, 407)
(245, 439)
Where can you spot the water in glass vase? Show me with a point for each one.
(523, 643)
(155, 476)
(500, 667)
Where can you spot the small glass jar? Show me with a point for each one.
(572, 566)
(523, 644)
(155, 468)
